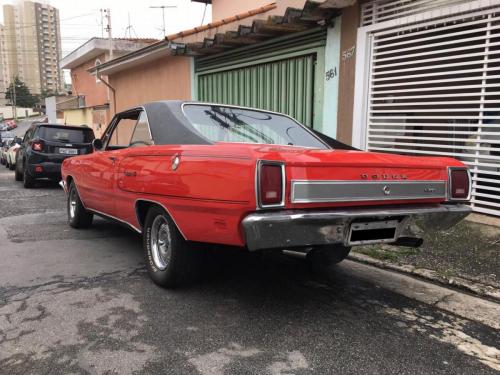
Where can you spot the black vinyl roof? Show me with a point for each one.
(178, 130)
(169, 125)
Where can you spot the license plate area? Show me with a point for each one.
(367, 232)
(68, 151)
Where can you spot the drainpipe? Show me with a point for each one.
(109, 87)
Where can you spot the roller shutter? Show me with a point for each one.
(434, 89)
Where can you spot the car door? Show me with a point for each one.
(100, 167)
(21, 154)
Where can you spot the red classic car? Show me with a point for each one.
(183, 173)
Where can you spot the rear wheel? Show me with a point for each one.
(322, 259)
(28, 181)
(171, 261)
(12, 166)
(18, 175)
(78, 216)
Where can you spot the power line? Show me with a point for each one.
(56, 20)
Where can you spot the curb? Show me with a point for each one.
(479, 289)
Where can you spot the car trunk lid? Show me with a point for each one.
(325, 177)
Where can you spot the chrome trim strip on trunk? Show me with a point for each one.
(308, 191)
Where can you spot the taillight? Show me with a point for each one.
(37, 145)
(459, 184)
(270, 180)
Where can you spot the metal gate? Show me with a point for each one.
(434, 89)
(283, 86)
(283, 74)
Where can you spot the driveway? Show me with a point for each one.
(80, 302)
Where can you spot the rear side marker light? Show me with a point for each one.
(459, 184)
(270, 184)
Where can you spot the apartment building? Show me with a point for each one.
(3, 66)
(32, 45)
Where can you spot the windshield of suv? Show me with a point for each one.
(61, 134)
(232, 124)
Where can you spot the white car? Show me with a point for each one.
(10, 154)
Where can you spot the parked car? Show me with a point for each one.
(45, 146)
(11, 124)
(12, 152)
(183, 173)
(6, 138)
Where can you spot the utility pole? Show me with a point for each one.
(14, 99)
(163, 7)
(108, 29)
(102, 22)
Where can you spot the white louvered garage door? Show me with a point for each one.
(434, 89)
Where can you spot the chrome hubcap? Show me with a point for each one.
(72, 203)
(160, 243)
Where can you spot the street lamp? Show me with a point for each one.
(163, 7)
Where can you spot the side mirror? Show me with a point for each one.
(97, 144)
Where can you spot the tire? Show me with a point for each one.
(12, 167)
(321, 259)
(6, 164)
(28, 181)
(18, 175)
(179, 262)
(78, 216)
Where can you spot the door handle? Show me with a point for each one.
(130, 174)
(112, 158)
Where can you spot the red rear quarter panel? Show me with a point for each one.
(207, 195)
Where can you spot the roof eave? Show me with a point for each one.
(133, 59)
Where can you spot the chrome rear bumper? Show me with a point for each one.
(295, 228)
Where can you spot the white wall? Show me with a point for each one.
(6, 112)
(51, 109)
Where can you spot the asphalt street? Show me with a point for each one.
(80, 302)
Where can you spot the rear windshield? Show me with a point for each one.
(60, 134)
(232, 124)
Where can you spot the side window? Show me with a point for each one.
(142, 135)
(122, 133)
(27, 135)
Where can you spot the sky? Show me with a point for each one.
(81, 19)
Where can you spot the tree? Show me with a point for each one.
(24, 98)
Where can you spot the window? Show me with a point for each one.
(122, 133)
(131, 130)
(230, 124)
(97, 63)
(62, 134)
(141, 136)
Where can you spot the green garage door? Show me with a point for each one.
(285, 86)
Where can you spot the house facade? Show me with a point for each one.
(383, 75)
(92, 108)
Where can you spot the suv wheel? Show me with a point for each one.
(18, 175)
(78, 216)
(28, 181)
(170, 260)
